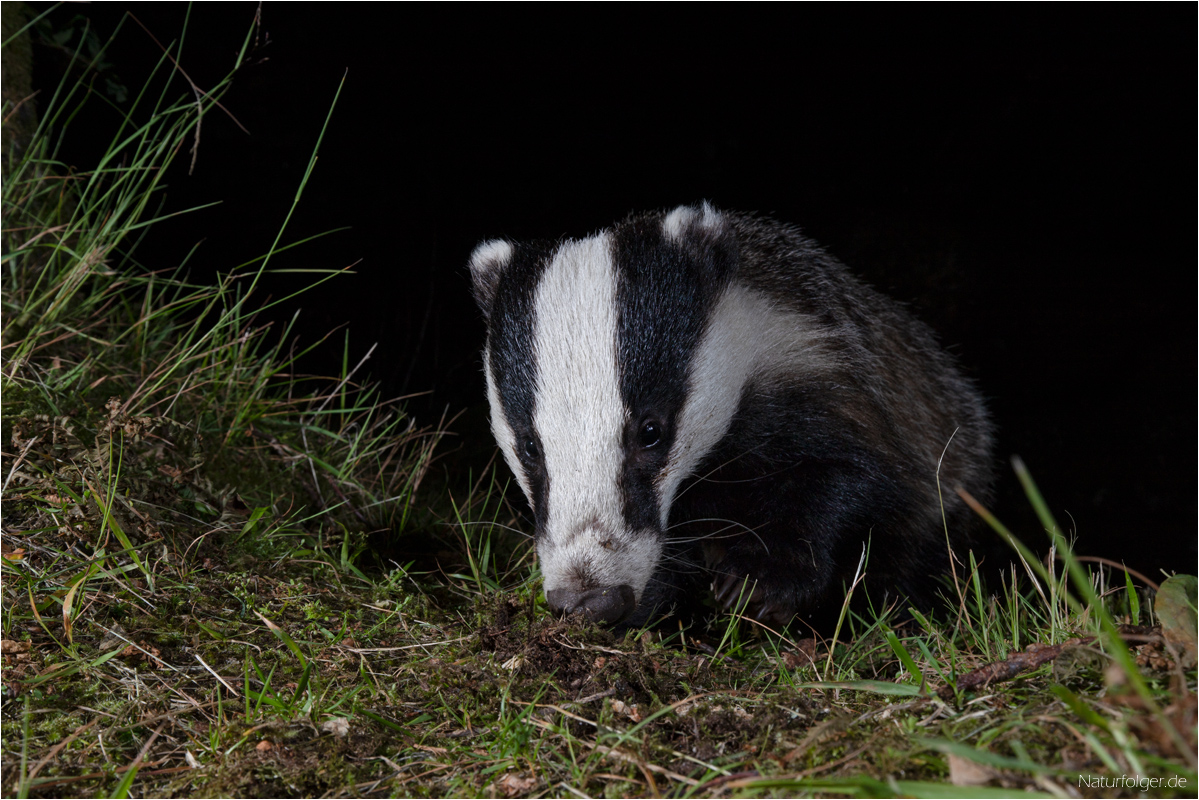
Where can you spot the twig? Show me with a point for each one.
(1032, 657)
(590, 697)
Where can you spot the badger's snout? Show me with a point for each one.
(600, 571)
(607, 604)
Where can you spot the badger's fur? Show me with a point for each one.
(700, 397)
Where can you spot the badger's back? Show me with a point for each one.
(700, 397)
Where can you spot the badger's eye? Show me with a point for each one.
(650, 434)
(531, 449)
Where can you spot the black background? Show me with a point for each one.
(1023, 177)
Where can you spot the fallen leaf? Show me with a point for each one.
(964, 772)
(1175, 609)
(113, 638)
(512, 785)
(338, 726)
(629, 711)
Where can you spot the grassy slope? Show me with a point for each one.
(194, 602)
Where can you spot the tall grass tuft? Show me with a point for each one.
(163, 459)
(151, 416)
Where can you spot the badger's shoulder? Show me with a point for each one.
(876, 363)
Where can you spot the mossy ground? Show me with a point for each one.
(236, 663)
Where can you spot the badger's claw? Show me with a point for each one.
(754, 599)
(735, 590)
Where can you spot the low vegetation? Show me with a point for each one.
(218, 579)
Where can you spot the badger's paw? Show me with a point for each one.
(757, 598)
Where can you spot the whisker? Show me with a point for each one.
(683, 566)
(732, 523)
(763, 476)
(707, 475)
(717, 534)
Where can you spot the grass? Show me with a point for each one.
(195, 600)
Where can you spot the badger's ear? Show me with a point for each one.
(487, 264)
(707, 235)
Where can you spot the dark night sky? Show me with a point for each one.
(1022, 176)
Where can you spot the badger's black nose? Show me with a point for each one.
(607, 604)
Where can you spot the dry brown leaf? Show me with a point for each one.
(964, 772)
(1175, 608)
(338, 726)
(627, 710)
(511, 785)
(116, 637)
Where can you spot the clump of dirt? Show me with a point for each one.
(583, 658)
(635, 678)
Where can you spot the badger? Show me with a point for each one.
(700, 400)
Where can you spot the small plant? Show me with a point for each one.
(496, 553)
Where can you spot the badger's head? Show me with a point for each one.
(609, 377)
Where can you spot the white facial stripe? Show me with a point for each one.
(580, 416)
(748, 338)
(502, 431)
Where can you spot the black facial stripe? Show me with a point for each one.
(665, 294)
(513, 360)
